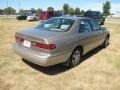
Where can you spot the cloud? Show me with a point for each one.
(115, 7)
(93, 6)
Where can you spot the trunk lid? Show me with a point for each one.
(38, 35)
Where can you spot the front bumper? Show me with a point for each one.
(40, 58)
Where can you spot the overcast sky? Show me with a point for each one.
(58, 4)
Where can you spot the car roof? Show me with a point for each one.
(73, 17)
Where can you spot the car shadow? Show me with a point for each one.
(33, 20)
(56, 69)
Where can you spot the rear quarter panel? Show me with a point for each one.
(67, 41)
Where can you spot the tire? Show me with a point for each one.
(75, 57)
(102, 23)
(106, 42)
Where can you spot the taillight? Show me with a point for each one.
(44, 46)
(18, 39)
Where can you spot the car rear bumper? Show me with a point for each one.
(39, 58)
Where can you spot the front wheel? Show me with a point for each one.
(102, 23)
(106, 42)
(75, 57)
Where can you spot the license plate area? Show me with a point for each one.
(27, 43)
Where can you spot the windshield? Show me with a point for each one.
(30, 14)
(56, 24)
(91, 14)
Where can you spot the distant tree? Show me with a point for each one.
(9, 10)
(106, 8)
(82, 12)
(61, 12)
(1, 11)
(77, 11)
(32, 10)
(65, 8)
(22, 12)
(38, 11)
(71, 11)
(50, 9)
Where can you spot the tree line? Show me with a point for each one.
(66, 10)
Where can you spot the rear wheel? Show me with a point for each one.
(75, 57)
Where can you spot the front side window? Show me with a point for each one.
(56, 24)
(95, 25)
(84, 27)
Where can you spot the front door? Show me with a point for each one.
(87, 36)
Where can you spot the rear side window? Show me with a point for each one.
(56, 24)
(95, 25)
(84, 27)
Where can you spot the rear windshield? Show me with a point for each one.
(56, 24)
